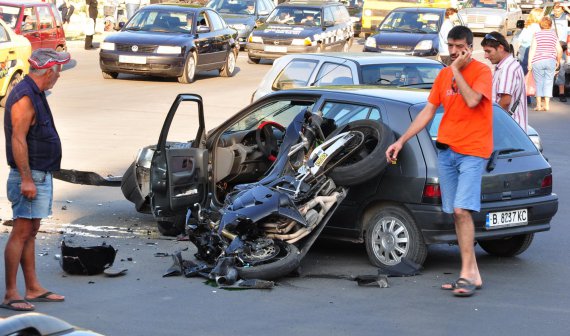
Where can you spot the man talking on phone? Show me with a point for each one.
(464, 142)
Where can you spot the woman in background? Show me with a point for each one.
(531, 26)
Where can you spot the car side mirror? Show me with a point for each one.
(520, 24)
(261, 20)
(328, 24)
(121, 25)
(203, 29)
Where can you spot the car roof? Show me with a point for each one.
(23, 3)
(419, 9)
(176, 7)
(363, 58)
(403, 95)
(312, 3)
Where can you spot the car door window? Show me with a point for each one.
(46, 20)
(4, 37)
(342, 113)
(295, 74)
(10, 15)
(281, 111)
(329, 18)
(30, 22)
(400, 74)
(262, 7)
(216, 22)
(334, 74)
(203, 21)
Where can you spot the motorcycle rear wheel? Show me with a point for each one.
(368, 161)
(284, 263)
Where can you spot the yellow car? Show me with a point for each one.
(14, 53)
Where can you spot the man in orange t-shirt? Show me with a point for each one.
(465, 142)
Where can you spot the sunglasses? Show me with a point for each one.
(490, 37)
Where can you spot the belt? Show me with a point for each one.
(441, 145)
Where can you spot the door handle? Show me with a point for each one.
(12, 52)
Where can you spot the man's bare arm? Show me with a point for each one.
(471, 97)
(23, 115)
(505, 101)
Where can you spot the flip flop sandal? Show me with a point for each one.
(10, 305)
(467, 287)
(453, 285)
(44, 298)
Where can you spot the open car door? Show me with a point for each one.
(179, 170)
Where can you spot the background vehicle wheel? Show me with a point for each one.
(288, 261)
(172, 228)
(189, 69)
(230, 66)
(392, 234)
(17, 78)
(370, 159)
(507, 247)
(109, 75)
(254, 60)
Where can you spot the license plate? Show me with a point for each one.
(321, 159)
(476, 25)
(278, 49)
(527, 6)
(507, 218)
(132, 59)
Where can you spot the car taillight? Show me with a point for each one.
(547, 181)
(431, 194)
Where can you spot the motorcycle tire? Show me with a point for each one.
(276, 269)
(351, 172)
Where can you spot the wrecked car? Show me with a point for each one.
(396, 214)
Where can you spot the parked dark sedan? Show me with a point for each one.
(242, 15)
(409, 31)
(171, 41)
(396, 214)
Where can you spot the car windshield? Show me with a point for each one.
(281, 112)
(161, 21)
(10, 15)
(243, 7)
(507, 134)
(411, 22)
(295, 16)
(400, 74)
(497, 4)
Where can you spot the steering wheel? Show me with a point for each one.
(268, 142)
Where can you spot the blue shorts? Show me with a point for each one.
(460, 180)
(40, 206)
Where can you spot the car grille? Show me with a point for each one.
(144, 49)
(390, 47)
(273, 41)
(475, 19)
(137, 67)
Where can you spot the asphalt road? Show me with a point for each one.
(103, 123)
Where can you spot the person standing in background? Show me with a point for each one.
(450, 16)
(92, 11)
(560, 17)
(66, 10)
(132, 7)
(531, 26)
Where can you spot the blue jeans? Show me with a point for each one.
(23, 207)
(460, 180)
(543, 72)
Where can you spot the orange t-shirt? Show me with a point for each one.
(468, 131)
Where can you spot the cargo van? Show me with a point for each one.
(40, 22)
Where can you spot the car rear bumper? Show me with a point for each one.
(164, 66)
(257, 50)
(438, 227)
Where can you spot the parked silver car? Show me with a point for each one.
(491, 15)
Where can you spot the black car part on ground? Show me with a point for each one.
(90, 260)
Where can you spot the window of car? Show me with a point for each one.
(498, 4)
(334, 74)
(263, 7)
(411, 22)
(341, 14)
(216, 21)
(46, 20)
(4, 37)
(203, 20)
(10, 15)
(280, 111)
(399, 74)
(231, 6)
(329, 17)
(295, 74)
(507, 134)
(30, 22)
(342, 112)
(160, 21)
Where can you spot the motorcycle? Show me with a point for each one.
(265, 228)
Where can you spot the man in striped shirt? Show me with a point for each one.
(509, 89)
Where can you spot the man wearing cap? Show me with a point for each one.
(33, 151)
(509, 88)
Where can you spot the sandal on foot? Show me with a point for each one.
(10, 305)
(464, 288)
(44, 298)
(453, 285)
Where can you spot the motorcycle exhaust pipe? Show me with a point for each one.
(228, 234)
(227, 279)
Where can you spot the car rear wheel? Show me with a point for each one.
(189, 69)
(173, 227)
(110, 75)
(507, 247)
(17, 78)
(254, 60)
(392, 234)
(230, 66)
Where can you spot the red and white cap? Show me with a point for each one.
(44, 58)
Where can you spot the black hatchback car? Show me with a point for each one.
(171, 41)
(302, 27)
(410, 31)
(396, 214)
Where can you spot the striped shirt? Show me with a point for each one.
(546, 41)
(508, 78)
